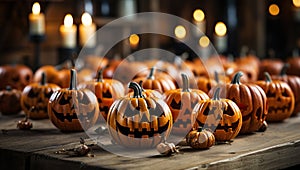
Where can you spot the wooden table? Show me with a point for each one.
(278, 147)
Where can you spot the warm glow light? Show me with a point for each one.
(220, 29)
(86, 19)
(198, 15)
(180, 32)
(68, 21)
(134, 39)
(274, 9)
(36, 8)
(204, 41)
(296, 3)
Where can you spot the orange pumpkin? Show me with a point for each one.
(200, 139)
(182, 102)
(222, 116)
(70, 109)
(106, 91)
(10, 101)
(280, 98)
(16, 76)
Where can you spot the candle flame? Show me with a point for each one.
(204, 41)
(220, 29)
(180, 32)
(134, 39)
(86, 19)
(36, 8)
(68, 21)
(198, 15)
(296, 3)
(274, 9)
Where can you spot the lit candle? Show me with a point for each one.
(204, 43)
(180, 32)
(68, 32)
(36, 20)
(134, 41)
(199, 21)
(86, 31)
(220, 37)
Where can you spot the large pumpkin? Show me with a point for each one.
(280, 98)
(222, 116)
(15, 76)
(182, 102)
(37, 95)
(139, 121)
(106, 91)
(294, 83)
(70, 109)
(250, 98)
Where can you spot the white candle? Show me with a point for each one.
(199, 21)
(86, 31)
(36, 20)
(220, 37)
(68, 32)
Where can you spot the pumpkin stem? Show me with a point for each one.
(217, 94)
(151, 74)
(284, 69)
(8, 88)
(185, 83)
(217, 77)
(141, 84)
(268, 77)
(100, 75)
(43, 79)
(236, 78)
(199, 129)
(73, 80)
(137, 90)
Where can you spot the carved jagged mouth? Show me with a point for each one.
(141, 133)
(182, 124)
(69, 117)
(284, 109)
(37, 108)
(220, 127)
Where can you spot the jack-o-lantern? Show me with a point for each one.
(16, 76)
(222, 116)
(139, 121)
(280, 98)
(250, 98)
(294, 83)
(10, 101)
(200, 139)
(159, 83)
(71, 109)
(106, 91)
(182, 102)
(37, 95)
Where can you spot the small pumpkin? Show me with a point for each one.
(272, 66)
(294, 83)
(250, 98)
(10, 101)
(281, 100)
(106, 91)
(70, 109)
(139, 121)
(182, 102)
(17, 76)
(37, 95)
(294, 68)
(222, 116)
(205, 84)
(200, 139)
(159, 83)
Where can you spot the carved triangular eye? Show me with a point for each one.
(175, 105)
(107, 94)
(32, 94)
(64, 101)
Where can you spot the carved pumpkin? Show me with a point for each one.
(294, 83)
(139, 121)
(222, 116)
(16, 76)
(280, 98)
(37, 95)
(159, 83)
(10, 101)
(200, 139)
(71, 109)
(106, 91)
(182, 102)
(250, 98)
